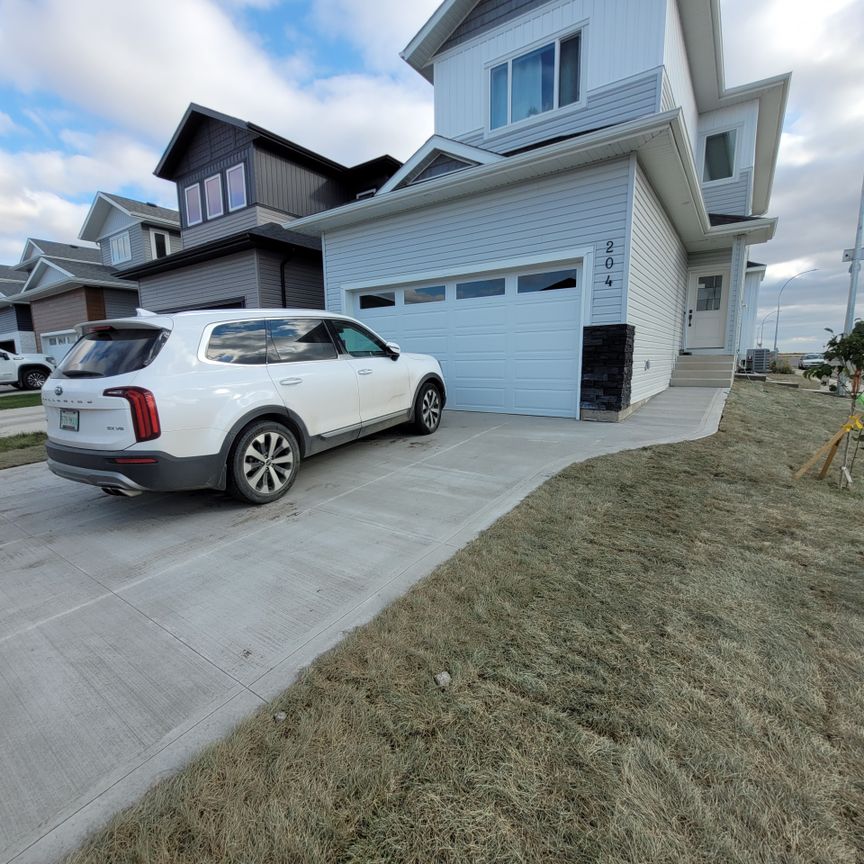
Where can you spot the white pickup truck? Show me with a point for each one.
(25, 371)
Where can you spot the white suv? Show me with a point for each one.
(226, 399)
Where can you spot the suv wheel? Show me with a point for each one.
(427, 409)
(263, 463)
(33, 379)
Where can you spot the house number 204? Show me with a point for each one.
(610, 261)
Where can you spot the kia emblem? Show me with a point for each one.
(58, 390)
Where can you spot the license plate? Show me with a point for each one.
(68, 420)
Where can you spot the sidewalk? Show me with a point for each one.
(17, 420)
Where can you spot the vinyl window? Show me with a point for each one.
(160, 243)
(121, 248)
(235, 179)
(192, 195)
(719, 156)
(536, 82)
(213, 196)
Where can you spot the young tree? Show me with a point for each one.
(844, 356)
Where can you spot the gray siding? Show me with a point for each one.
(116, 221)
(304, 282)
(215, 166)
(656, 292)
(120, 304)
(139, 242)
(8, 319)
(294, 189)
(731, 198)
(486, 15)
(587, 207)
(240, 220)
(224, 279)
(214, 140)
(625, 100)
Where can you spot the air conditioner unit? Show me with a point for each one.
(759, 360)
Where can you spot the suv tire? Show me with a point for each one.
(33, 378)
(427, 409)
(263, 463)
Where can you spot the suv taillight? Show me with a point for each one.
(145, 417)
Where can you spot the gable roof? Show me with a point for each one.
(11, 276)
(196, 115)
(68, 275)
(104, 202)
(37, 248)
(435, 146)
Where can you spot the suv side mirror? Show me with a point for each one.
(394, 350)
(4, 355)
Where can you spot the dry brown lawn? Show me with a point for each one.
(656, 657)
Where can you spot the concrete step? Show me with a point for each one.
(701, 364)
(709, 359)
(707, 372)
(700, 382)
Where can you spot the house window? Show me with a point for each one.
(193, 204)
(121, 248)
(541, 80)
(379, 300)
(213, 196)
(160, 244)
(719, 156)
(236, 181)
(710, 293)
(481, 288)
(432, 294)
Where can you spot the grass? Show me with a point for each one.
(656, 657)
(22, 449)
(20, 400)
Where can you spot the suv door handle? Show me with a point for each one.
(364, 372)
(287, 382)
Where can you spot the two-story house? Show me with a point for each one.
(581, 218)
(237, 183)
(16, 323)
(65, 284)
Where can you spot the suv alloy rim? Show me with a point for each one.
(267, 462)
(430, 408)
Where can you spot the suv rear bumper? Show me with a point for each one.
(165, 474)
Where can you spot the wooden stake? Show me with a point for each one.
(831, 454)
(833, 443)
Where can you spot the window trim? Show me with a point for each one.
(737, 128)
(241, 166)
(167, 236)
(197, 187)
(118, 236)
(218, 179)
(556, 39)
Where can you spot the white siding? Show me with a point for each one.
(551, 215)
(678, 72)
(622, 38)
(732, 198)
(736, 192)
(656, 293)
(752, 283)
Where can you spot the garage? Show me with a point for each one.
(507, 342)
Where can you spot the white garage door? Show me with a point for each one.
(507, 343)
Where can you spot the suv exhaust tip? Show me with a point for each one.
(120, 493)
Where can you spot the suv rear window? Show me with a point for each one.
(103, 353)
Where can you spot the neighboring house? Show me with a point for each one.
(16, 324)
(130, 233)
(66, 284)
(583, 213)
(236, 185)
(750, 306)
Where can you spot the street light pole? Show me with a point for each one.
(854, 270)
(777, 320)
(762, 325)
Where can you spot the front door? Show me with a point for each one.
(707, 304)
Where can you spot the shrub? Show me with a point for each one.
(781, 367)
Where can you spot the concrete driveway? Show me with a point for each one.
(133, 631)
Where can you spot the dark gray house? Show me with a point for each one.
(237, 186)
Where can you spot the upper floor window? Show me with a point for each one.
(719, 156)
(236, 181)
(121, 248)
(193, 204)
(538, 81)
(213, 196)
(160, 244)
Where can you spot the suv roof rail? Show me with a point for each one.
(144, 313)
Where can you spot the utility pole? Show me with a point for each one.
(855, 269)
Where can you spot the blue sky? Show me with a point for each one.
(91, 91)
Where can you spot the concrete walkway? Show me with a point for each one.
(134, 631)
(16, 420)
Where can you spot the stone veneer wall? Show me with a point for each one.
(607, 367)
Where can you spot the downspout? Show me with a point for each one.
(285, 260)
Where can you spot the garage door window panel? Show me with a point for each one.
(479, 289)
(428, 294)
(378, 300)
(555, 281)
(297, 340)
(242, 343)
